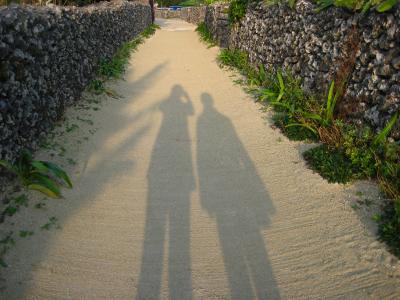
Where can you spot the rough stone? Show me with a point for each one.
(47, 57)
(313, 46)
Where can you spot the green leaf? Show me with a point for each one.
(8, 166)
(322, 4)
(10, 210)
(44, 184)
(25, 233)
(38, 165)
(385, 131)
(366, 6)
(44, 190)
(311, 116)
(58, 172)
(386, 5)
(267, 94)
(3, 263)
(21, 200)
(281, 87)
(284, 105)
(302, 125)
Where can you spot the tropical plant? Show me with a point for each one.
(272, 94)
(358, 5)
(37, 174)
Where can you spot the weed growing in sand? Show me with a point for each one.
(52, 223)
(25, 233)
(42, 176)
(114, 67)
(40, 205)
(13, 206)
(6, 244)
(205, 35)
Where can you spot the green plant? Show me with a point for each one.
(389, 226)
(188, 3)
(234, 58)
(40, 205)
(291, 3)
(25, 233)
(237, 10)
(37, 174)
(51, 223)
(13, 206)
(381, 137)
(331, 164)
(150, 30)
(114, 67)
(6, 244)
(97, 86)
(315, 118)
(358, 5)
(205, 35)
(357, 145)
(272, 94)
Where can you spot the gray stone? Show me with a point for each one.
(396, 63)
(47, 57)
(313, 46)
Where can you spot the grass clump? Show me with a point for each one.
(389, 226)
(331, 164)
(114, 67)
(237, 10)
(205, 35)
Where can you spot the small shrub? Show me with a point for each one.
(389, 226)
(97, 86)
(237, 10)
(205, 35)
(150, 30)
(331, 164)
(295, 133)
(358, 148)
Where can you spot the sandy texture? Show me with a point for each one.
(184, 191)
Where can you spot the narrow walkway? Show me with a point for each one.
(186, 192)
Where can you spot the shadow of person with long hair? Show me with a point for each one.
(170, 183)
(232, 192)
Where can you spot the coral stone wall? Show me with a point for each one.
(47, 57)
(326, 45)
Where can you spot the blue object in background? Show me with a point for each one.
(175, 7)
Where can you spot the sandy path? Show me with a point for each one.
(186, 192)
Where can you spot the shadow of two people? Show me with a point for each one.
(230, 191)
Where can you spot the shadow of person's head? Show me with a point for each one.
(177, 90)
(207, 100)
